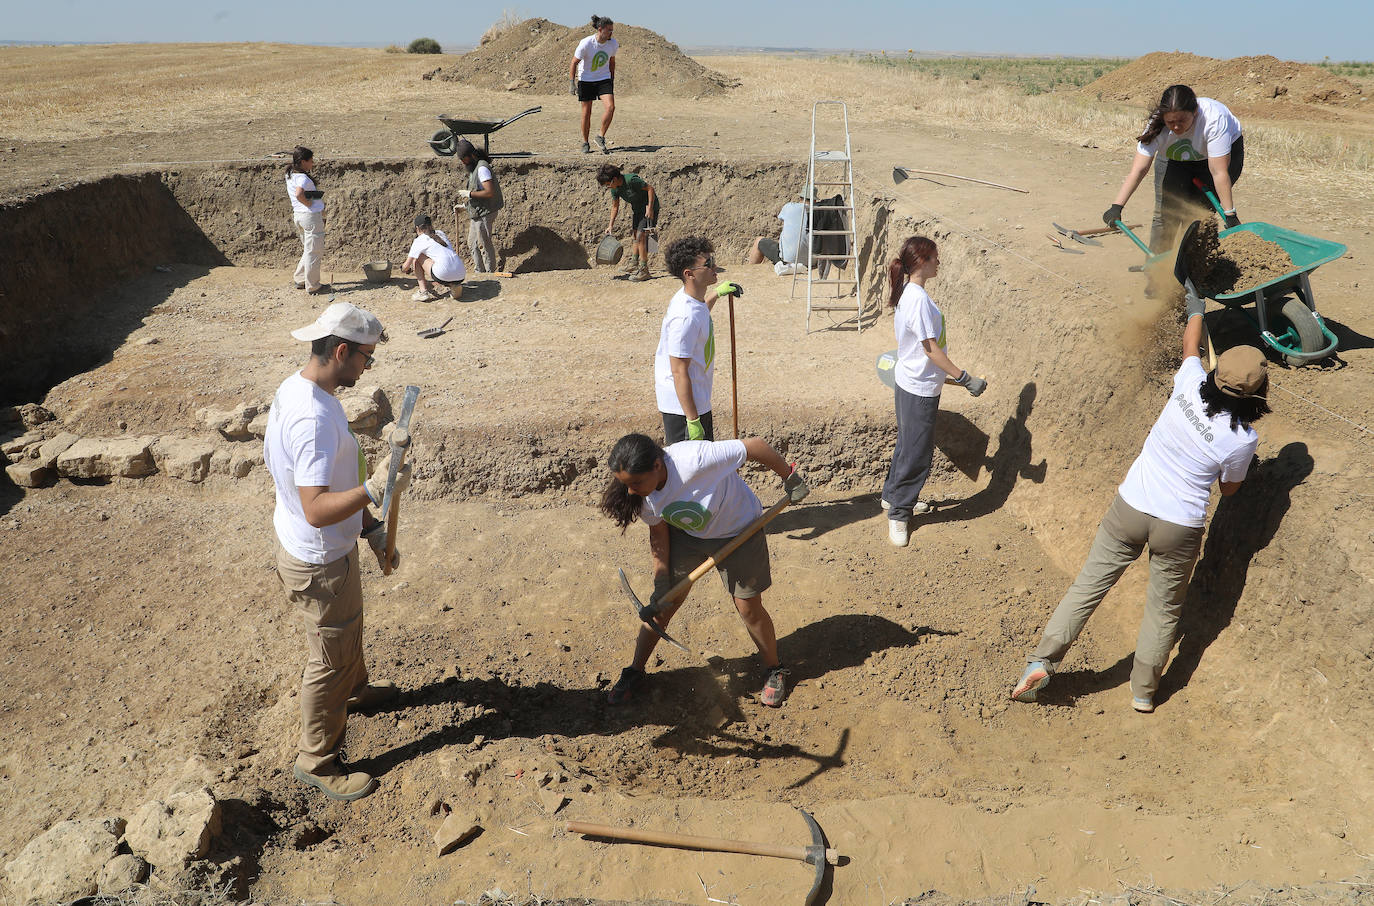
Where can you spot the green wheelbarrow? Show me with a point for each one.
(1284, 311)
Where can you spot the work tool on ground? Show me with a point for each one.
(1285, 312)
(682, 587)
(391, 509)
(445, 141)
(431, 332)
(818, 855)
(378, 271)
(1081, 235)
(901, 174)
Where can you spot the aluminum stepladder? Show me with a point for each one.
(830, 173)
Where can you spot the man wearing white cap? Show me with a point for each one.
(1202, 436)
(323, 490)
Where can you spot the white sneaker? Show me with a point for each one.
(1143, 705)
(897, 532)
(920, 506)
(422, 295)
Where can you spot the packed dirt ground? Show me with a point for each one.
(146, 639)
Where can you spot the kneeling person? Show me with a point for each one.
(432, 257)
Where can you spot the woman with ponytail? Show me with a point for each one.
(307, 212)
(591, 74)
(923, 368)
(1194, 138)
(433, 259)
(694, 502)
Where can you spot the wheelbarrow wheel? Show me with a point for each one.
(444, 143)
(1293, 325)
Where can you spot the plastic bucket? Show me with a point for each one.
(377, 271)
(609, 251)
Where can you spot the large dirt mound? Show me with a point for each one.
(532, 57)
(1262, 85)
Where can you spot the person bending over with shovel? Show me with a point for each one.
(694, 502)
(1203, 435)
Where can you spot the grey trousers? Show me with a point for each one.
(910, 468)
(481, 244)
(1123, 534)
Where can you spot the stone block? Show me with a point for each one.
(107, 457)
(121, 873)
(16, 446)
(65, 862)
(172, 833)
(258, 426)
(50, 449)
(235, 423)
(455, 831)
(186, 458)
(364, 407)
(243, 463)
(28, 473)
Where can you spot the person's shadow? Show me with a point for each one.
(1242, 526)
(1011, 462)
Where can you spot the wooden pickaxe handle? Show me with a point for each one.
(393, 519)
(688, 841)
(726, 550)
(1095, 231)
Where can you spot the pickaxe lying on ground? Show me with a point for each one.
(817, 855)
(1081, 235)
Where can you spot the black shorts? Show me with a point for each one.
(770, 249)
(675, 427)
(590, 91)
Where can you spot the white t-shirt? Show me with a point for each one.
(687, 333)
(1215, 129)
(308, 445)
(1186, 451)
(594, 59)
(793, 217)
(704, 495)
(448, 266)
(296, 180)
(917, 319)
(483, 172)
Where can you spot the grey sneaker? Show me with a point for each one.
(601, 143)
(1143, 705)
(586, 148)
(775, 686)
(1036, 677)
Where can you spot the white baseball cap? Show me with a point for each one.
(345, 321)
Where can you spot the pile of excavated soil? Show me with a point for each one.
(532, 57)
(1262, 85)
(1220, 265)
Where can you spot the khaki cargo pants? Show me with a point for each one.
(329, 599)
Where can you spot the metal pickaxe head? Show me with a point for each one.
(817, 855)
(899, 175)
(639, 611)
(1074, 235)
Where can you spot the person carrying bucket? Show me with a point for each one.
(483, 200)
(1193, 138)
(694, 502)
(1203, 435)
(643, 202)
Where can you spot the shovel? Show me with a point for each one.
(431, 332)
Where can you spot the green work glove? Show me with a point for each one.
(727, 288)
(694, 429)
(376, 539)
(795, 485)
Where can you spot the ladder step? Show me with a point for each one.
(832, 257)
(834, 282)
(830, 155)
(831, 184)
(832, 207)
(835, 307)
(830, 232)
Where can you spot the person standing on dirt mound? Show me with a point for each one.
(923, 368)
(433, 258)
(592, 76)
(322, 493)
(483, 199)
(643, 202)
(1203, 435)
(307, 212)
(694, 502)
(685, 361)
(1193, 138)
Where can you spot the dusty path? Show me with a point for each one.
(148, 626)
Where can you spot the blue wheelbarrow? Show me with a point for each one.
(1284, 311)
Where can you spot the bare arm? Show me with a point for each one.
(938, 357)
(615, 210)
(324, 507)
(1220, 168)
(650, 208)
(612, 64)
(487, 191)
(1139, 167)
(1230, 487)
(659, 548)
(1192, 338)
(758, 450)
(572, 67)
(682, 383)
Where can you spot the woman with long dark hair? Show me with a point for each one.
(483, 199)
(923, 368)
(1202, 436)
(1192, 138)
(693, 500)
(307, 213)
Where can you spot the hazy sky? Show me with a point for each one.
(1340, 29)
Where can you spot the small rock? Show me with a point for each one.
(552, 801)
(122, 872)
(170, 834)
(65, 862)
(454, 832)
(149, 341)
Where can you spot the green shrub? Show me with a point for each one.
(424, 45)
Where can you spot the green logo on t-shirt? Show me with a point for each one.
(710, 351)
(687, 515)
(599, 60)
(1182, 150)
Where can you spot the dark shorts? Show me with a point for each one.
(638, 216)
(744, 573)
(675, 427)
(590, 91)
(770, 249)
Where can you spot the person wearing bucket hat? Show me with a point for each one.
(433, 258)
(483, 199)
(322, 494)
(1203, 435)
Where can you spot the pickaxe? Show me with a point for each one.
(817, 855)
(391, 509)
(1081, 235)
(682, 587)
